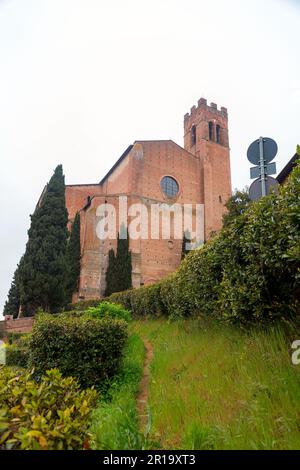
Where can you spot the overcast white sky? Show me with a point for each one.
(80, 80)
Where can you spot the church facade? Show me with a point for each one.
(151, 173)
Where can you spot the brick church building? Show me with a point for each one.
(156, 171)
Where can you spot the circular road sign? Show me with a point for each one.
(255, 191)
(270, 151)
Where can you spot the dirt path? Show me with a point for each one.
(142, 398)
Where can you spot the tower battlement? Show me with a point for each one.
(205, 123)
(202, 104)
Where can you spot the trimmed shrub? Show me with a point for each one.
(82, 305)
(85, 348)
(109, 310)
(142, 302)
(147, 301)
(250, 272)
(51, 414)
(122, 298)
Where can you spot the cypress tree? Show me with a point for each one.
(119, 271)
(73, 257)
(123, 264)
(12, 305)
(43, 269)
(110, 276)
(185, 240)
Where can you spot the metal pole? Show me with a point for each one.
(262, 167)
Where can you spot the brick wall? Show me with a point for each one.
(20, 325)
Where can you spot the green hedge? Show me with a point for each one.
(142, 302)
(85, 348)
(51, 414)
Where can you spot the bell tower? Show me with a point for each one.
(206, 137)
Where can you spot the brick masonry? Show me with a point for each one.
(20, 325)
(202, 170)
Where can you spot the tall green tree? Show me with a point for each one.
(73, 258)
(119, 271)
(123, 264)
(42, 277)
(236, 205)
(12, 305)
(111, 274)
(185, 241)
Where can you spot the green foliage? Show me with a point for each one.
(51, 414)
(111, 274)
(115, 422)
(82, 305)
(43, 267)
(261, 258)
(236, 206)
(122, 298)
(85, 348)
(17, 353)
(15, 337)
(248, 273)
(185, 240)
(109, 310)
(119, 271)
(73, 257)
(12, 305)
(144, 301)
(219, 386)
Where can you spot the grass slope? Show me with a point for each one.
(216, 387)
(115, 421)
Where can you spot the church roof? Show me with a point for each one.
(287, 169)
(124, 155)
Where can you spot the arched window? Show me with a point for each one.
(218, 134)
(211, 130)
(193, 135)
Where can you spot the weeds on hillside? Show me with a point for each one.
(115, 422)
(219, 387)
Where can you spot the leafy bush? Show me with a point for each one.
(250, 272)
(85, 348)
(109, 310)
(122, 298)
(82, 305)
(14, 337)
(143, 301)
(52, 414)
(17, 350)
(17, 354)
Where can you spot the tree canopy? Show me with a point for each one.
(42, 277)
